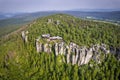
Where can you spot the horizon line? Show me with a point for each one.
(82, 10)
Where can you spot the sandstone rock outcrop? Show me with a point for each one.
(25, 35)
(57, 22)
(50, 21)
(73, 53)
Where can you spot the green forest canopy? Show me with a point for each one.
(19, 60)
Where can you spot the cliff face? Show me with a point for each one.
(73, 53)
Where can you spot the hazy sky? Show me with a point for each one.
(44, 5)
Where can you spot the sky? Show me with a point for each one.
(47, 5)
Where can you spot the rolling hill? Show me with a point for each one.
(20, 60)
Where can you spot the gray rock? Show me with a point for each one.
(73, 60)
(96, 57)
(56, 49)
(77, 56)
(73, 53)
(38, 46)
(68, 52)
(55, 38)
(45, 47)
(49, 48)
(88, 57)
(68, 58)
(50, 21)
(57, 22)
(112, 50)
(82, 56)
(25, 36)
(61, 48)
(46, 36)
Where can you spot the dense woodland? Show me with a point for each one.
(20, 61)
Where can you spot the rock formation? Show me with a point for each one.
(50, 21)
(38, 46)
(73, 53)
(25, 35)
(57, 22)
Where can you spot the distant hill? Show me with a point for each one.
(11, 23)
(112, 16)
(95, 10)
